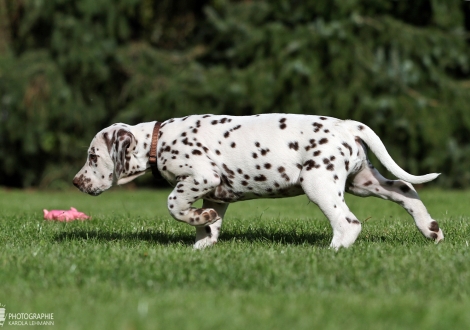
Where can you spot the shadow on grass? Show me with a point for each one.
(164, 238)
(279, 237)
(148, 236)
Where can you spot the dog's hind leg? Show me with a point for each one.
(327, 191)
(369, 182)
(208, 235)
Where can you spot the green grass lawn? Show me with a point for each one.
(133, 267)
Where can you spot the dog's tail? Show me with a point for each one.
(377, 147)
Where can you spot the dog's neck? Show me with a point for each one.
(137, 155)
(143, 134)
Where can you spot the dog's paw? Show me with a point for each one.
(435, 233)
(437, 237)
(205, 216)
(204, 243)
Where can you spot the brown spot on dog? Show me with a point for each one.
(309, 164)
(228, 170)
(260, 177)
(323, 141)
(434, 226)
(294, 145)
(368, 183)
(348, 147)
(108, 141)
(317, 126)
(405, 188)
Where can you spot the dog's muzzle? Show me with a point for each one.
(84, 185)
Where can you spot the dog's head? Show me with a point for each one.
(109, 157)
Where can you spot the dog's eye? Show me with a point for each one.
(93, 158)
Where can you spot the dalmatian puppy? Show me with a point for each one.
(225, 159)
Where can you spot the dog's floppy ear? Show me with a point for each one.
(124, 146)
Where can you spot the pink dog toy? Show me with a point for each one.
(65, 215)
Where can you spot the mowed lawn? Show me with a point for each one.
(133, 267)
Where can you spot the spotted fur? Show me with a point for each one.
(224, 159)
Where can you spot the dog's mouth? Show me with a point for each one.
(84, 185)
(95, 192)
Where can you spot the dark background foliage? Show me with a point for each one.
(70, 68)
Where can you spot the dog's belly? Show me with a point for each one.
(226, 194)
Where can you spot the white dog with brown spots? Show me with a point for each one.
(225, 159)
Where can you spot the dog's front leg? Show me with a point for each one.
(208, 235)
(188, 190)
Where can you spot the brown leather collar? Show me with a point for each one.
(153, 150)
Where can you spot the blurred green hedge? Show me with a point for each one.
(70, 68)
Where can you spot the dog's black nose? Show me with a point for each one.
(76, 182)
